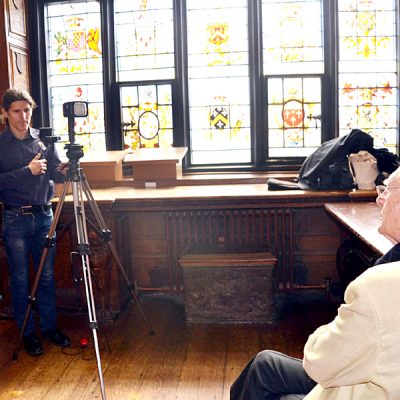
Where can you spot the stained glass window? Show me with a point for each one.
(218, 81)
(75, 70)
(144, 39)
(242, 83)
(368, 93)
(147, 116)
(294, 113)
(292, 36)
(293, 44)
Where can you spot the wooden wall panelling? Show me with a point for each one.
(68, 293)
(17, 19)
(108, 292)
(149, 251)
(317, 239)
(19, 68)
(303, 239)
(14, 53)
(3, 49)
(121, 236)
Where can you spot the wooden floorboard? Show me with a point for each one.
(179, 362)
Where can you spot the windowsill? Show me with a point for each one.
(161, 168)
(198, 178)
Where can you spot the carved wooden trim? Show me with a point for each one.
(16, 63)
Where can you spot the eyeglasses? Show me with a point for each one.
(380, 189)
(382, 192)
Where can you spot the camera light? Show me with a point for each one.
(75, 109)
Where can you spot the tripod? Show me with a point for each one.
(76, 178)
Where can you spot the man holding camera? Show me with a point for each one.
(28, 169)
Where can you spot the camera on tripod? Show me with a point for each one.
(71, 110)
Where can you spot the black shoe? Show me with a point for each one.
(58, 338)
(32, 344)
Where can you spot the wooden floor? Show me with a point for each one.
(179, 362)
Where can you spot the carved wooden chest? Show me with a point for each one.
(228, 284)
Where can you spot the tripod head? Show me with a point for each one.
(74, 152)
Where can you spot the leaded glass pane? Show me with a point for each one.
(144, 39)
(294, 116)
(218, 74)
(75, 71)
(147, 116)
(368, 91)
(292, 36)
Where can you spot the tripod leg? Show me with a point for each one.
(49, 243)
(111, 244)
(83, 251)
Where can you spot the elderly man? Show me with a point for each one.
(357, 355)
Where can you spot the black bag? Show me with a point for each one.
(327, 168)
(386, 161)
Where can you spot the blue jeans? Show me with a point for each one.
(24, 237)
(271, 375)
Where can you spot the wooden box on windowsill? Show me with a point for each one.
(156, 167)
(103, 168)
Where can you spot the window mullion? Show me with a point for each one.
(180, 96)
(329, 85)
(257, 106)
(114, 140)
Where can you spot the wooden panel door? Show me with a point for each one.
(14, 49)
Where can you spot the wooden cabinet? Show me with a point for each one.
(14, 67)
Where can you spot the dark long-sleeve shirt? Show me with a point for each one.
(18, 187)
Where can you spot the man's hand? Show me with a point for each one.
(63, 168)
(37, 166)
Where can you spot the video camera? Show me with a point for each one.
(71, 110)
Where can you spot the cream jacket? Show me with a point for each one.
(357, 355)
